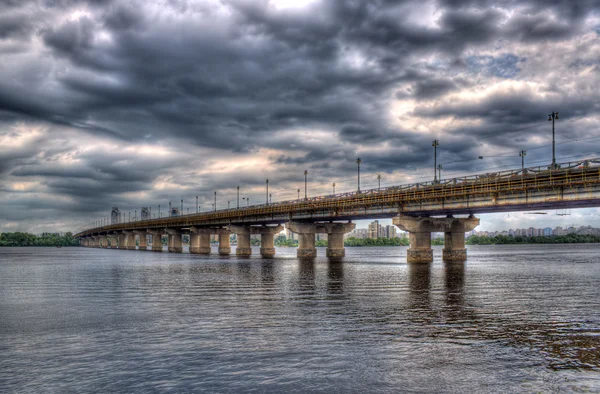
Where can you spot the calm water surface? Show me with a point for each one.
(511, 319)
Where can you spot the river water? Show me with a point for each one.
(512, 319)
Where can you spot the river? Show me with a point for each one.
(513, 318)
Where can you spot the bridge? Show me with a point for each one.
(418, 208)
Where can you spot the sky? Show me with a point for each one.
(134, 103)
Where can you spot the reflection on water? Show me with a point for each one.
(510, 319)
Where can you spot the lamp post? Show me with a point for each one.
(435, 144)
(135, 216)
(228, 205)
(267, 195)
(378, 181)
(298, 194)
(333, 185)
(181, 210)
(196, 204)
(215, 201)
(358, 161)
(523, 153)
(305, 185)
(170, 206)
(129, 220)
(238, 197)
(439, 167)
(552, 117)
(270, 198)
(159, 216)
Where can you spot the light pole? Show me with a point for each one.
(135, 216)
(181, 207)
(439, 167)
(170, 208)
(270, 198)
(378, 181)
(552, 117)
(358, 161)
(333, 185)
(129, 221)
(196, 204)
(305, 183)
(523, 153)
(228, 205)
(159, 216)
(267, 195)
(215, 201)
(298, 194)
(435, 144)
(238, 197)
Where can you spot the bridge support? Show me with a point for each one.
(420, 229)
(306, 238)
(121, 238)
(142, 235)
(174, 241)
(112, 241)
(267, 239)
(130, 237)
(224, 243)
(156, 240)
(200, 240)
(102, 241)
(335, 237)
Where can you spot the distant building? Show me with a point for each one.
(375, 229)
(547, 231)
(390, 232)
(115, 216)
(145, 213)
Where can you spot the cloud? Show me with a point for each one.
(126, 103)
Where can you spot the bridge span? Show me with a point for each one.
(413, 208)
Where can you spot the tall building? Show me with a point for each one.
(145, 213)
(390, 231)
(375, 229)
(115, 216)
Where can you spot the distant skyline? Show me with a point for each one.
(132, 103)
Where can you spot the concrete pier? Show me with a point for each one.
(103, 241)
(244, 247)
(130, 239)
(122, 243)
(200, 240)
(156, 240)
(306, 238)
(174, 241)
(267, 239)
(335, 237)
(142, 235)
(224, 243)
(420, 229)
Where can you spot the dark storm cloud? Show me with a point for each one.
(228, 79)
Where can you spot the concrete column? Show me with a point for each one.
(335, 237)
(174, 241)
(102, 241)
(244, 247)
(200, 240)
(267, 240)
(306, 238)
(142, 235)
(420, 229)
(224, 244)
(122, 237)
(130, 236)
(156, 240)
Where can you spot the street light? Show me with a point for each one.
(227, 205)
(358, 161)
(298, 194)
(170, 208)
(267, 195)
(238, 197)
(215, 204)
(435, 144)
(196, 204)
(523, 153)
(378, 181)
(305, 187)
(159, 215)
(552, 117)
(181, 207)
(270, 198)
(333, 185)
(439, 167)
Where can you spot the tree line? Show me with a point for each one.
(45, 239)
(519, 239)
